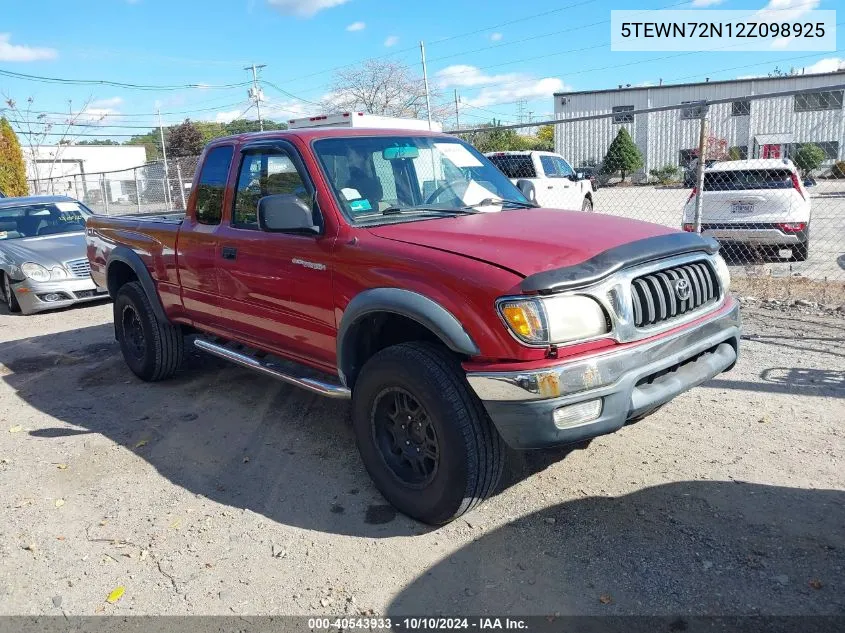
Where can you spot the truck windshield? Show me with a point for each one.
(37, 220)
(410, 176)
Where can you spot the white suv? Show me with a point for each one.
(545, 178)
(760, 202)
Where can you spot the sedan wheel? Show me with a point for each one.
(9, 295)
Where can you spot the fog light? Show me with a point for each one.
(575, 414)
(52, 296)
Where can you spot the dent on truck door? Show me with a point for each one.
(198, 242)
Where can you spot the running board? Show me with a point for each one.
(265, 367)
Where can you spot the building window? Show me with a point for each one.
(623, 114)
(694, 112)
(823, 100)
(740, 108)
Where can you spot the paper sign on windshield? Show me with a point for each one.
(458, 154)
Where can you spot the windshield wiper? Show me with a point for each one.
(400, 210)
(503, 201)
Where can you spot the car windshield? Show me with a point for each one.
(40, 219)
(409, 177)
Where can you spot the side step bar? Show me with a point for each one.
(323, 388)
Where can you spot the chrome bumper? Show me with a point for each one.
(754, 236)
(630, 383)
(29, 293)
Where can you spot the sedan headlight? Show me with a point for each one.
(57, 273)
(723, 272)
(552, 320)
(36, 272)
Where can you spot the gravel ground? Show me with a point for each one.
(223, 492)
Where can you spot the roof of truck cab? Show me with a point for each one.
(312, 133)
(17, 202)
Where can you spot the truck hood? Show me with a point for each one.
(525, 241)
(48, 251)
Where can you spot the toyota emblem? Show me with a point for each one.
(682, 289)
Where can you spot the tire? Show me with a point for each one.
(9, 295)
(470, 452)
(152, 349)
(587, 205)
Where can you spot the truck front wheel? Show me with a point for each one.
(424, 437)
(152, 348)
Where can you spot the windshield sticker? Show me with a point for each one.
(67, 206)
(3, 235)
(360, 205)
(459, 155)
(350, 194)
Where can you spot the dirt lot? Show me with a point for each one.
(224, 492)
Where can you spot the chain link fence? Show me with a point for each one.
(763, 174)
(154, 187)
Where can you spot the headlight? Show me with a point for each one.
(548, 320)
(57, 273)
(36, 272)
(723, 272)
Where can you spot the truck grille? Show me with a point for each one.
(79, 267)
(672, 292)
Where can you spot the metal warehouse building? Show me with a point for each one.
(755, 128)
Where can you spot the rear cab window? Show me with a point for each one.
(514, 165)
(744, 179)
(212, 184)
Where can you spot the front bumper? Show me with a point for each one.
(630, 383)
(31, 294)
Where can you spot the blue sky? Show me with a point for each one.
(496, 52)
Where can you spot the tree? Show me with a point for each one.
(546, 138)
(382, 87)
(808, 157)
(12, 168)
(97, 141)
(46, 137)
(622, 155)
(184, 139)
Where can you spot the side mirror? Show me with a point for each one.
(285, 213)
(575, 177)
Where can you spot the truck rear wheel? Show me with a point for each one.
(424, 437)
(152, 349)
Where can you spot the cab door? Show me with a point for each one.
(276, 288)
(570, 189)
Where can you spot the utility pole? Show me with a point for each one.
(255, 92)
(457, 111)
(520, 109)
(164, 155)
(425, 82)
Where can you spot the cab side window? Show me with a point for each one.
(212, 185)
(549, 167)
(265, 173)
(563, 168)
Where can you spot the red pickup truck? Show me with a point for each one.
(404, 271)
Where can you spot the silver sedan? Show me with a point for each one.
(43, 262)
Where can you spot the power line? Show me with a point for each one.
(118, 84)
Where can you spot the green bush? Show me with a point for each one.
(808, 157)
(12, 168)
(623, 156)
(839, 169)
(666, 174)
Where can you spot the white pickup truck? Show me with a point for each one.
(546, 178)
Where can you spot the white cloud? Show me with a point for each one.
(112, 102)
(778, 10)
(304, 8)
(356, 26)
(494, 89)
(827, 65)
(495, 37)
(227, 116)
(392, 40)
(17, 53)
(706, 3)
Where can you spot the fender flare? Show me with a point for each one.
(127, 256)
(407, 303)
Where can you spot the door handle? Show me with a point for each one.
(229, 252)
(550, 187)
